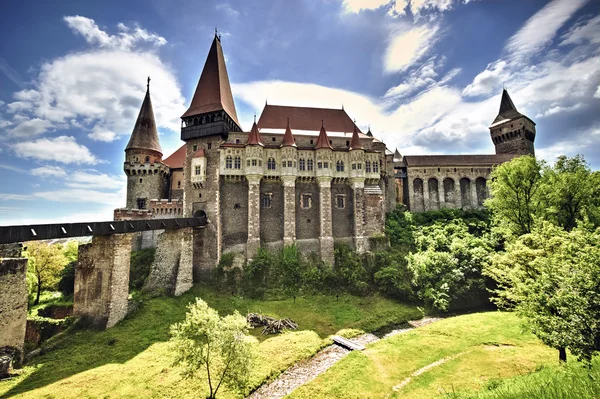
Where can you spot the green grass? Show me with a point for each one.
(554, 382)
(477, 348)
(133, 359)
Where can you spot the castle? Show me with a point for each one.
(303, 176)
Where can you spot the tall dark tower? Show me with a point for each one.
(511, 131)
(205, 125)
(146, 174)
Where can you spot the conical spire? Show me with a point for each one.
(254, 136)
(144, 135)
(213, 92)
(323, 140)
(355, 142)
(288, 137)
(397, 156)
(507, 108)
(369, 132)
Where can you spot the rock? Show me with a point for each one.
(4, 366)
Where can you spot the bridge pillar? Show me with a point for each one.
(102, 280)
(13, 302)
(172, 270)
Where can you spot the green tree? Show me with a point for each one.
(45, 263)
(219, 346)
(515, 189)
(291, 268)
(447, 266)
(570, 192)
(552, 277)
(71, 251)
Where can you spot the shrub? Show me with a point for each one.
(66, 285)
(140, 264)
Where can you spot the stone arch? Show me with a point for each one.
(419, 199)
(465, 192)
(449, 192)
(434, 194)
(481, 188)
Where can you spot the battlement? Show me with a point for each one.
(139, 168)
(164, 208)
(132, 214)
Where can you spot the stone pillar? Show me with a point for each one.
(473, 187)
(457, 195)
(13, 304)
(102, 280)
(426, 203)
(289, 210)
(171, 272)
(253, 216)
(358, 189)
(325, 232)
(441, 192)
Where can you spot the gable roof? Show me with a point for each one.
(144, 135)
(176, 159)
(305, 118)
(457, 160)
(213, 92)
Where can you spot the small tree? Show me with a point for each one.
(45, 263)
(515, 187)
(552, 277)
(218, 345)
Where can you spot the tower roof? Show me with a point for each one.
(144, 135)
(254, 136)
(288, 137)
(397, 156)
(213, 92)
(507, 111)
(323, 140)
(355, 141)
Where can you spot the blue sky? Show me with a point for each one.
(426, 75)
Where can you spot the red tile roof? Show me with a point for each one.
(199, 153)
(213, 92)
(305, 118)
(288, 137)
(323, 140)
(355, 142)
(254, 136)
(176, 159)
(144, 135)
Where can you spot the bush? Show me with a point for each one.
(140, 264)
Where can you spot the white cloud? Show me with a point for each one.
(597, 93)
(49, 170)
(63, 149)
(355, 6)
(409, 46)
(96, 180)
(82, 195)
(584, 31)
(541, 28)
(14, 197)
(422, 78)
(488, 81)
(12, 168)
(399, 7)
(11, 74)
(30, 128)
(227, 9)
(126, 39)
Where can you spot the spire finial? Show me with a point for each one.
(322, 123)
(255, 118)
(148, 84)
(288, 121)
(215, 31)
(342, 106)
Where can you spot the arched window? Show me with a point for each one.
(309, 165)
(237, 163)
(368, 166)
(339, 166)
(228, 162)
(271, 164)
(302, 164)
(147, 159)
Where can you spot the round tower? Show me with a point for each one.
(147, 176)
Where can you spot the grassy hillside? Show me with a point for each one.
(459, 354)
(133, 359)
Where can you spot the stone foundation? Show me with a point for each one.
(102, 280)
(13, 307)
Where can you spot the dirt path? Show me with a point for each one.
(307, 370)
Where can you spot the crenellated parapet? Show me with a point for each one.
(145, 168)
(163, 208)
(132, 214)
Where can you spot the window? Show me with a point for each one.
(368, 167)
(340, 201)
(320, 165)
(289, 164)
(147, 159)
(306, 201)
(266, 200)
(141, 203)
(302, 163)
(254, 162)
(353, 166)
(339, 166)
(198, 170)
(309, 165)
(283, 164)
(140, 180)
(271, 164)
(248, 162)
(359, 165)
(237, 163)
(194, 148)
(273, 139)
(237, 141)
(375, 167)
(347, 143)
(179, 184)
(228, 162)
(237, 206)
(311, 141)
(325, 165)
(209, 146)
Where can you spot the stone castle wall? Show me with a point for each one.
(13, 305)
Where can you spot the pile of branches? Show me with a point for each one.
(269, 324)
